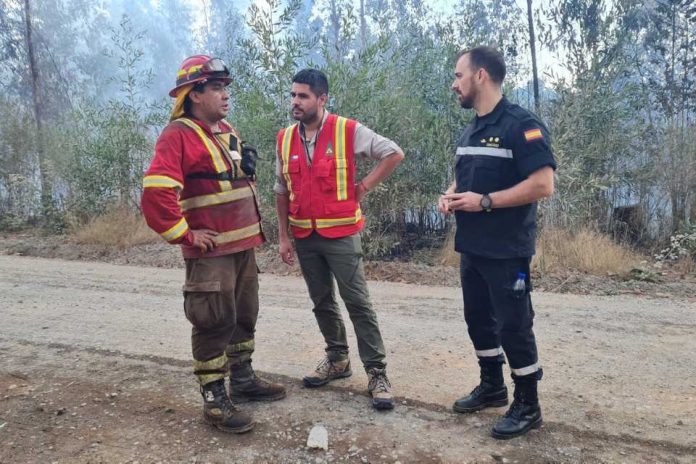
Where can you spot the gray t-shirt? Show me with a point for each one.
(366, 144)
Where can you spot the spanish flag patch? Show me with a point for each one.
(533, 134)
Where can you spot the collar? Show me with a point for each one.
(493, 116)
(323, 120)
(223, 127)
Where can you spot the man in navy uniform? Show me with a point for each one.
(504, 165)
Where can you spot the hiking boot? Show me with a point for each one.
(327, 371)
(380, 389)
(490, 393)
(524, 413)
(246, 386)
(219, 411)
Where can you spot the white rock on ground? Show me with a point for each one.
(318, 438)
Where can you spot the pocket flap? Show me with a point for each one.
(202, 286)
(345, 206)
(323, 168)
(294, 165)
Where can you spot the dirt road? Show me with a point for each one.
(94, 367)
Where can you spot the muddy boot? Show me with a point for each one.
(327, 371)
(380, 389)
(490, 393)
(219, 411)
(246, 386)
(524, 413)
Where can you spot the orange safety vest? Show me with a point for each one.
(322, 195)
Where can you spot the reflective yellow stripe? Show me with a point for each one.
(215, 198)
(247, 345)
(177, 231)
(302, 223)
(161, 181)
(190, 70)
(285, 145)
(218, 364)
(215, 154)
(238, 234)
(205, 379)
(341, 164)
(323, 223)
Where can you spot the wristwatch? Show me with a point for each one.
(486, 203)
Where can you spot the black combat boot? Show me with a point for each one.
(219, 411)
(524, 413)
(246, 386)
(490, 393)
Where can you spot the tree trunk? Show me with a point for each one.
(363, 26)
(46, 187)
(532, 46)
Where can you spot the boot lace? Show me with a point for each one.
(378, 381)
(516, 409)
(221, 398)
(326, 367)
(477, 390)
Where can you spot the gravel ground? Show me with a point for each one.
(94, 367)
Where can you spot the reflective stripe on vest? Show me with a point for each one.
(176, 231)
(218, 160)
(341, 164)
(237, 234)
(324, 223)
(216, 198)
(285, 156)
(161, 182)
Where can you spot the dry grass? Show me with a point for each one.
(449, 257)
(117, 228)
(559, 251)
(585, 251)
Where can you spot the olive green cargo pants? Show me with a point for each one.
(323, 259)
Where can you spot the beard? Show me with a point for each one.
(467, 101)
(306, 116)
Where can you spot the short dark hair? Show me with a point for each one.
(489, 59)
(315, 79)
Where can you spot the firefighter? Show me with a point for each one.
(503, 166)
(199, 193)
(318, 195)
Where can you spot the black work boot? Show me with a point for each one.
(490, 393)
(524, 413)
(246, 386)
(219, 411)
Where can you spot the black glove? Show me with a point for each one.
(248, 164)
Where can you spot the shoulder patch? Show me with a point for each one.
(533, 134)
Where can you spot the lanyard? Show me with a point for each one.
(314, 142)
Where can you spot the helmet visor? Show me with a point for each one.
(215, 65)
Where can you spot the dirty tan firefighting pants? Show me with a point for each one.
(221, 300)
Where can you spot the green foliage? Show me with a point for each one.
(19, 192)
(107, 146)
(621, 112)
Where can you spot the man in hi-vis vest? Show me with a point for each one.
(199, 192)
(318, 196)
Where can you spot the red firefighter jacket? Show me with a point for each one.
(322, 195)
(175, 200)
